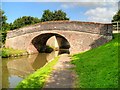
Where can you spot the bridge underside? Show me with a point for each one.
(50, 39)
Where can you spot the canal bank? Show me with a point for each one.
(37, 79)
(9, 52)
(57, 73)
(16, 69)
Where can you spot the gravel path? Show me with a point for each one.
(62, 76)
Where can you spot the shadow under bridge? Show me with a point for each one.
(43, 42)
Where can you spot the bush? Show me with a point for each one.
(7, 52)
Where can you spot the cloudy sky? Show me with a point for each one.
(80, 10)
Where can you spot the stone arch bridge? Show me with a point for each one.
(80, 36)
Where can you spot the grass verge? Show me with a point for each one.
(37, 79)
(8, 52)
(98, 68)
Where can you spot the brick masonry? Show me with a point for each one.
(81, 36)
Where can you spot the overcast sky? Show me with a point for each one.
(80, 10)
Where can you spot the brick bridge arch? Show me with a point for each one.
(80, 35)
(41, 40)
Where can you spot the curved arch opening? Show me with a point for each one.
(56, 41)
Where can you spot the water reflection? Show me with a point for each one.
(15, 69)
(14, 80)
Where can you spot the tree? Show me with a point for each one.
(54, 16)
(47, 16)
(116, 17)
(23, 21)
(60, 15)
(4, 26)
(3, 18)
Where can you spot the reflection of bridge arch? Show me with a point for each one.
(28, 64)
(80, 35)
(42, 39)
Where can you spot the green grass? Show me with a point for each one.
(37, 79)
(8, 52)
(98, 68)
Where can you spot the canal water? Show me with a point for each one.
(15, 69)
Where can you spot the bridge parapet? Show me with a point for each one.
(88, 27)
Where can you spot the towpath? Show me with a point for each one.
(62, 75)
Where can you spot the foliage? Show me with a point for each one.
(98, 68)
(4, 26)
(60, 15)
(23, 21)
(7, 52)
(116, 17)
(47, 16)
(37, 79)
(3, 36)
(3, 18)
(53, 16)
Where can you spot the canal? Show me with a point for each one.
(15, 69)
